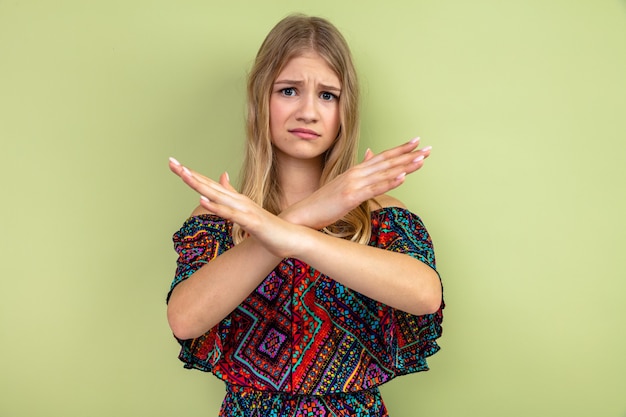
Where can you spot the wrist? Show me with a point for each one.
(305, 243)
(294, 216)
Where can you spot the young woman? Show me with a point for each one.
(310, 287)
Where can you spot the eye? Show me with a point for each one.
(289, 91)
(326, 96)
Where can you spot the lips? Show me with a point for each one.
(304, 133)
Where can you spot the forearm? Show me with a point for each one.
(392, 278)
(217, 288)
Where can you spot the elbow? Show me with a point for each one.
(425, 301)
(189, 319)
(177, 326)
(180, 324)
(426, 305)
(432, 304)
(431, 296)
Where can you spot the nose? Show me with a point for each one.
(307, 109)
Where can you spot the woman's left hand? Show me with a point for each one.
(376, 175)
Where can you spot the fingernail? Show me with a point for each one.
(203, 198)
(186, 171)
(427, 148)
(399, 177)
(418, 159)
(414, 140)
(227, 176)
(174, 161)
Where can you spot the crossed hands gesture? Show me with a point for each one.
(375, 175)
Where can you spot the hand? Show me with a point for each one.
(376, 175)
(220, 198)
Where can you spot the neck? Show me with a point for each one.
(298, 178)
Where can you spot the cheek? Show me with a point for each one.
(274, 116)
(336, 120)
(276, 112)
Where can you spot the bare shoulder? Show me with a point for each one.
(199, 210)
(385, 200)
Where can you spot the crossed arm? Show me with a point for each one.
(398, 280)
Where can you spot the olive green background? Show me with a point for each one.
(524, 103)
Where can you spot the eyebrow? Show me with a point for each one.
(299, 83)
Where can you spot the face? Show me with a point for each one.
(304, 108)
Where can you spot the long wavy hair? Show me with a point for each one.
(290, 38)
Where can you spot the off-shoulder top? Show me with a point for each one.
(301, 332)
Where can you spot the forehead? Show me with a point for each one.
(309, 65)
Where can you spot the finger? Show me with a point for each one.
(405, 148)
(179, 169)
(368, 155)
(191, 178)
(388, 175)
(198, 182)
(391, 166)
(410, 161)
(225, 182)
(175, 166)
(383, 186)
(215, 208)
(415, 163)
(219, 198)
(194, 180)
(385, 181)
(426, 151)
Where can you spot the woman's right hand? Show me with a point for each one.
(376, 175)
(277, 235)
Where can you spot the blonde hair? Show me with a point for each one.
(291, 37)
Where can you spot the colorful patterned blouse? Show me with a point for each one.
(300, 333)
